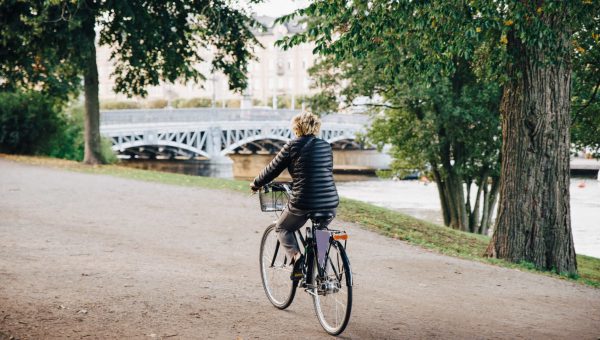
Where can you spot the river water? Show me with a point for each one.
(421, 201)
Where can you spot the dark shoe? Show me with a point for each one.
(297, 271)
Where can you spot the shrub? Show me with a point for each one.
(108, 154)
(119, 105)
(68, 143)
(193, 102)
(31, 123)
(156, 104)
(28, 121)
(233, 103)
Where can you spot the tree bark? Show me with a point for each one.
(458, 201)
(489, 202)
(93, 146)
(474, 218)
(534, 222)
(443, 195)
(468, 184)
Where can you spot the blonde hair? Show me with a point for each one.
(306, 123)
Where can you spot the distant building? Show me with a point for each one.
(275, 73)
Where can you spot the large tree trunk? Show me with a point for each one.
(93, 146)
(534, 222)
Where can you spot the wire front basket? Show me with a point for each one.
(273, 199)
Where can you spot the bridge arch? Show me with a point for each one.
(169, 144)
(342, 143)
(231, 148)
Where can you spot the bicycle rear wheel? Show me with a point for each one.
(332, 293)
(275, 270)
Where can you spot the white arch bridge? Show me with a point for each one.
(214, 133)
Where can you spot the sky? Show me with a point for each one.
(276, 8)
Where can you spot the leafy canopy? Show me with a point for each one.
(426, 37)
(585, 130)
(44, 44)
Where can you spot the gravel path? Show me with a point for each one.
(96, 257)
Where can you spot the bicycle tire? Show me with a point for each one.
(280, 275)
(346, 282)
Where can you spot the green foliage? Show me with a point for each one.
(425, 40)
(108, 155)
(426, 37)
(193, 102)
(39, 49)
(119, 105)
(28, 122)
(155, 40)
(385, 174)
(48, 44)
(440, 115)
(585, 130)
(327, 79)
(68, 143)
(460, 132)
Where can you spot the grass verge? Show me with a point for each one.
(385, 221)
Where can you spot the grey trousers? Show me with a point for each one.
(290, 220)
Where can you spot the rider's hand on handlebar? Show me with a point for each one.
(253, 187)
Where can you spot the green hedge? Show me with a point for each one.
(193, 102)
(33, 124)
(28, 122)
(119, 105)
(68, 142)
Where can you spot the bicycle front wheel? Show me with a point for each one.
(275, 270)
(332, 292)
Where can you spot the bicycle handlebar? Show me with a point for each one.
(278, 186)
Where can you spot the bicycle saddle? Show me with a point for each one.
(320, 215)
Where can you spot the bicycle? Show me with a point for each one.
(327, 276)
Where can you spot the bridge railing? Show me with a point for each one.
(152, 116)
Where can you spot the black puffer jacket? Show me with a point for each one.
(311, 168)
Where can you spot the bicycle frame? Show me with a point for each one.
(311, 251)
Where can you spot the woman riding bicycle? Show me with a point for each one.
(309, 161)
